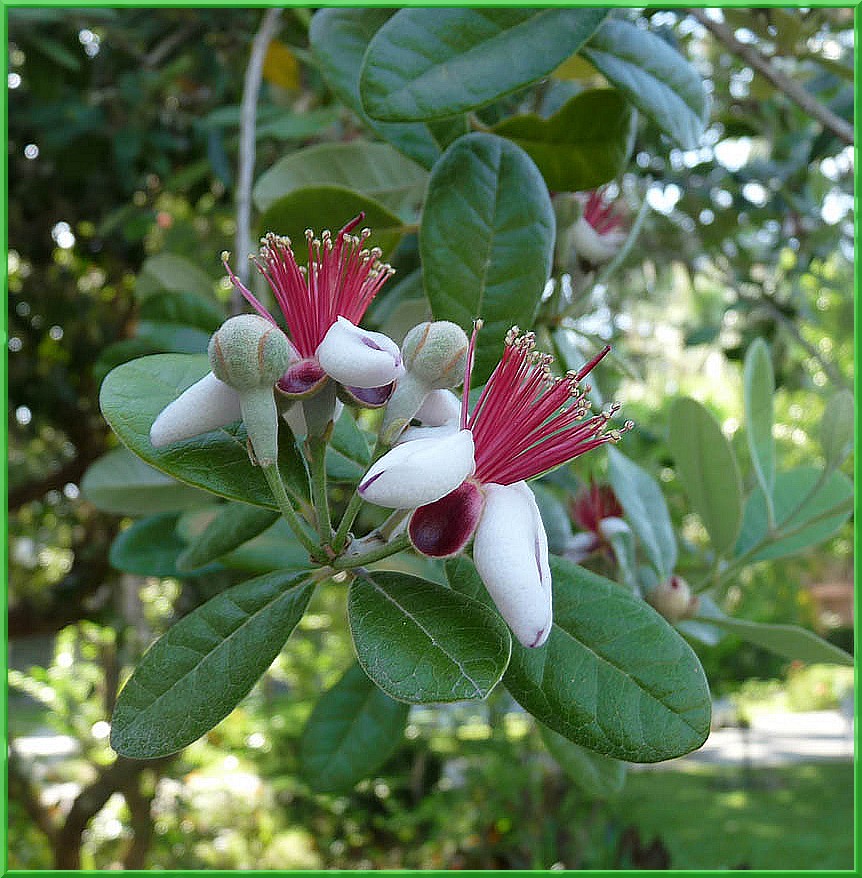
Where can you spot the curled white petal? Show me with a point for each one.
(416, 473)
(440, 407)
(510, 551)
(294, 417)
(594, 247)
(580, 546)
(358, 357)
(411, 434)
(206, 405)
(611, 526)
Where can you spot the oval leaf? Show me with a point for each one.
(431, 63)
(354, 728)
(486, 240)
(134, 393)
(194, 676)
(613, 676)
(329, 207)
(583, 145)
(759, 389)
(791, 489)
(836, 430)
(646, 510)
(600, 777)
(339, 38)
(189, 309)
(373, 169)
(708, 471)
(168, 271)
(653, 76)
(233, 525)
(419, 642)
(121, 483)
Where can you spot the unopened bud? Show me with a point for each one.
(673, 599)
(435, 353)
(248, 351)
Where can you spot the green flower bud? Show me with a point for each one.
(673, 599)
(248, 351)
(435, 353)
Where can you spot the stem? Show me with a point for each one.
(247, 126)
(317, 458)
(397, 545)
(273, 476)
(347, 520)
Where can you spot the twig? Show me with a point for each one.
(247, 124)
(790, 87)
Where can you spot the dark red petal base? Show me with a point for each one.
(367, 397)
(441, 529)
(302, 379)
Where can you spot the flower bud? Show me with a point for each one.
(248, 351)
(435, 353)
(673, 599)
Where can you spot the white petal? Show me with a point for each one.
(580, 546)
(592, 246)
(206, 405)
(358, 357)
(510, 551)
(411, 434)
(420, 472)
(440, 407)
(294, 417)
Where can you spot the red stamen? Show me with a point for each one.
(468, 369)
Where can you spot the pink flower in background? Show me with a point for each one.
(471, 482)
(590, 507)
(598, 233)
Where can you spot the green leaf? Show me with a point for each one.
(613, 676)
(759, 389)
(233, 525)
(486, 240)
(432, 63)
(420, 642)
(708, 471)
(646, 510)
(373, 169)
(653, 76)
(190, 309)
(194, 676)
(789, 641)
(329, 207)
(354, 728)
(167, 271)
(150, 548)
(339, 38)
(134, 393)
(600, 777)
(583, 145)
(173, 338)
(836, 429)
(555, 517)
(348, 455)
(791, 489)
(121, 483)
(275, 549)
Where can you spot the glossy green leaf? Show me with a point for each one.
(555, 517)
(586, 143)
(600, 777)
(233, 525)
(348, 455)
(421, 643)
(134, 393)
(194, 676)
(190, 309)
(801, 512)
(329, 207)
(759, 390)
(173, 338)
(486, 240)
(646, 511)
(122, 483)
(339, 38)
(168, 271)
(653, 76)
(373, 169)
(613, 676)
(354, 728)
(150, 548)
(836, 429)
(603, 678)
(708, 471)
(431, 63)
